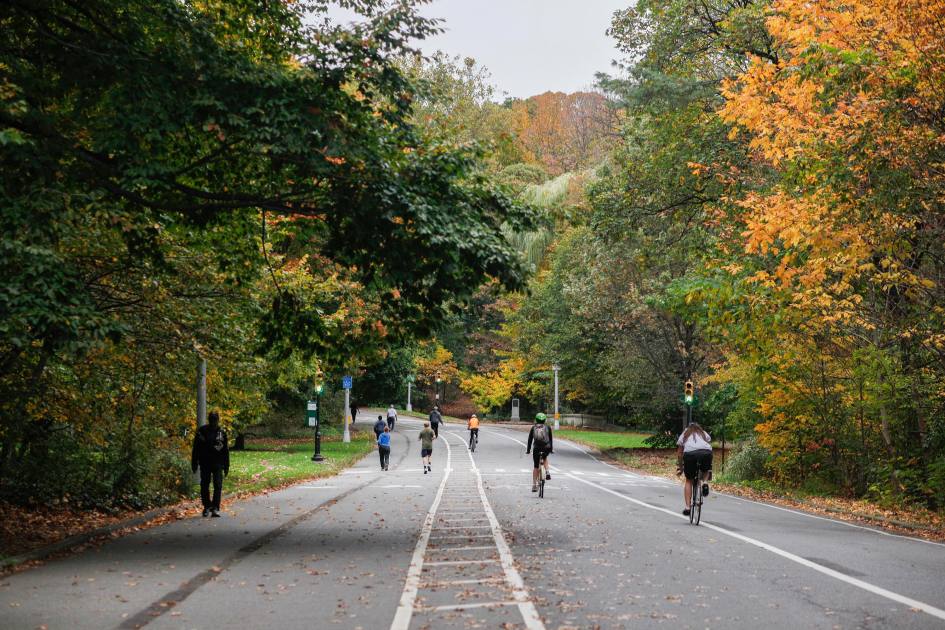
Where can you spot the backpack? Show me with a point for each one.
(540, 436)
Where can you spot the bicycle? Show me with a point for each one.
(542, 472)
(473, 440)
(696, 496)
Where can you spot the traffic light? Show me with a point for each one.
(689, 393)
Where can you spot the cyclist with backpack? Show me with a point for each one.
(539, 437)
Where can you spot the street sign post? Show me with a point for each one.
(347, 382)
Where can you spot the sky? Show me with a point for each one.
(529, 46)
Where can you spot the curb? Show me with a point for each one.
(79, 539)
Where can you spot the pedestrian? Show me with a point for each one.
(383, 448)
(426, 447)
(379, 426)
(435, 419)
(212, 455)
(391, 416)
(354, 412)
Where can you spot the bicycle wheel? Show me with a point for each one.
(472, 443)
(541, 481)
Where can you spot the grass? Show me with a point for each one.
(604, 439)
(271, 463)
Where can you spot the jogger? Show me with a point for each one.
(426, 447)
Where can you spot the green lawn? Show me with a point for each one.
(604, 439)
(268, 463)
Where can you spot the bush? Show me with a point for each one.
(748, 462)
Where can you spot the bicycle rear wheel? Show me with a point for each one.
(472, 444)
(695, 512)
(541, 481)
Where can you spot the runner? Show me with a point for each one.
(426, 447)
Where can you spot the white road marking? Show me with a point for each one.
(477, 605)
(441, 583)
(483, 547)
(465, 527)
(458, 562)
(520, 594)
(866, 586)
(461, 537)
(409, 595)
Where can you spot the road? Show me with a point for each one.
(469, 546)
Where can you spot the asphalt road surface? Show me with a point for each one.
(470, 546)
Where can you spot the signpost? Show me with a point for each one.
(346, 383)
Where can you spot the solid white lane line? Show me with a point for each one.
(525, 605)
(477, 605)
(409, 595)
(866, 586)
(730, 496)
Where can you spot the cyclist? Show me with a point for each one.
(540, 436)
(473, 426)
(694, 449)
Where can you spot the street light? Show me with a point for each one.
(317, 457)
(556, 367)
(409, 388)
(437, 390)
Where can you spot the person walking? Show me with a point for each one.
(426, 447)
(435, 418)
(354, 412)
(379, 426)
(391, 416)
(383, 448)
(212, 454)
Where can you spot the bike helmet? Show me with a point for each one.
(540, 417)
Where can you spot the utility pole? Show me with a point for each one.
(556, 367)
(201, 391)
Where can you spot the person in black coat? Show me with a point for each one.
(212, 455)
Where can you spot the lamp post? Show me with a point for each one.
(437, 390)
(317, 457)
(409, 388)
(556, 367)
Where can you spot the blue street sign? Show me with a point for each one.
(346, 382)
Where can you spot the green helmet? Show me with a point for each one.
(540, 417)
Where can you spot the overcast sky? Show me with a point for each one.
(529, 46)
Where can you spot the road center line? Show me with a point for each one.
(866, 586)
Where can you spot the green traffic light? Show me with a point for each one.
(688, 399)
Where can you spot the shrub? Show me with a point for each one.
(748, 462)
